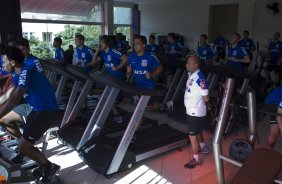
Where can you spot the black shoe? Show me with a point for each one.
(18, 159)
(192, 164)
(50, 172)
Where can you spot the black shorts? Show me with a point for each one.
(119, 98)
(37, 123)
(195, 124)
(272, 119)
(272, 67)
(23, 110)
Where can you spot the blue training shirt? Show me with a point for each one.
(39, 92)
(85, 55)
(121, 46)
(239, 53)
(31, 60)
(59, 54)
(112, 58)
(141, 65)
(275, 48)
(175, 46)
(153, 48)
(274, 97)
(247, 44)
(2, 71)
(205, 53)
(219, 43)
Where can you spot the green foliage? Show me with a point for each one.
(45, 51)
(91, 34)
(125, 31)
(40, 49)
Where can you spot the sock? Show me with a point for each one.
(202, 145)
(196, 157)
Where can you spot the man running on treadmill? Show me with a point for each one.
(114, 61)
(22, 110)
(38, 93)
(144, 65)
(195, 99)
(274, 98)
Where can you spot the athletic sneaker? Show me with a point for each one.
(204, 150)
(135, 99)
(169, 105)
(117, 119)
(18, 159)
(192, 164)
(50, 172)
(2, 132)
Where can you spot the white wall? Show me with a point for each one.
(191, 18)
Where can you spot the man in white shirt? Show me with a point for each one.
(195, 99)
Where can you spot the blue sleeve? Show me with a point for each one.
(202, 83)
(178, 46)
(211, 52)
(155, 62)
(25, 78)
(243, 52)
(129, 61)
(116, 54)
(90, 53)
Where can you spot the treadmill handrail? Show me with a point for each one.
(61, 69)
(224, 70)
(107, 79)
(78, 71)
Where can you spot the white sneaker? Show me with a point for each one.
(117, 119)
(135, 99)
(169, 105)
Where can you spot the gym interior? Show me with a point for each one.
(203, 104)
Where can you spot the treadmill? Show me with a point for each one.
(107, 155)
(73, 128)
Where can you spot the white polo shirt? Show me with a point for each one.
(196, 88)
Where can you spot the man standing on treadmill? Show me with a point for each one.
(195, 99)
(38, 93)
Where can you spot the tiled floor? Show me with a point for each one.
(165, 168)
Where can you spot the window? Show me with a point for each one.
(46, 36)
(123, 22)
(45, 33)
(41, 23)
(25, 35)
(123, 15)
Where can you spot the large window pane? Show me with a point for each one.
(41, 36)
(122, 15)
(93, 13)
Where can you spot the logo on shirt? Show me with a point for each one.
(83, 55)
(204, 52)
(203, 83)
(22, 78)
(234, 52)
(144, 63)
(109, 58)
